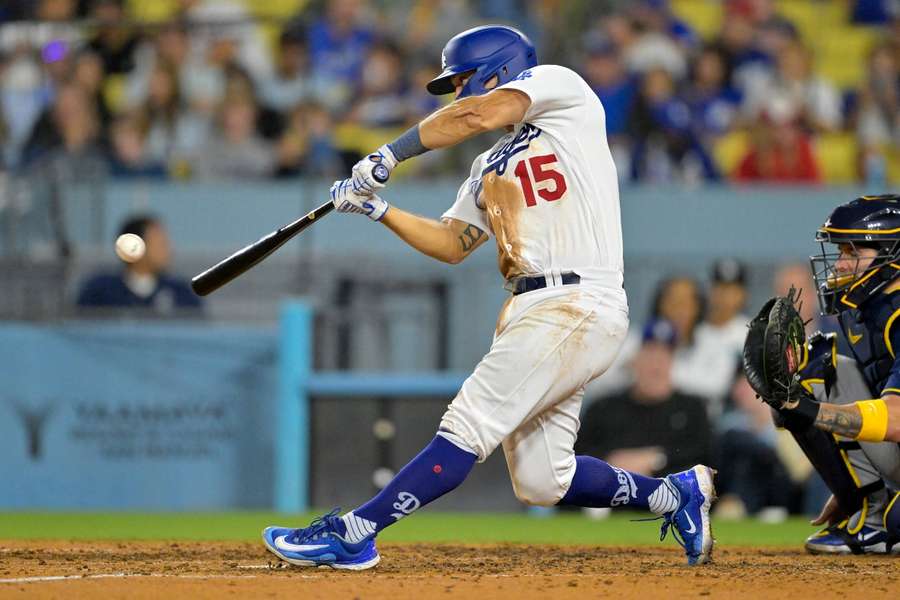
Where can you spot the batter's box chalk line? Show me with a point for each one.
(49, 578)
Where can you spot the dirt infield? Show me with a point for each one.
(216, 570)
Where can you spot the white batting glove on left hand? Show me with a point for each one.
(363, 180)
(346, 200)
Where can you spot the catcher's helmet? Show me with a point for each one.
(489, 50)
(867, 222)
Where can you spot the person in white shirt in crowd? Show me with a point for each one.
(706, 367)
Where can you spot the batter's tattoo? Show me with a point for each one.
(470, 235)
(842, 420)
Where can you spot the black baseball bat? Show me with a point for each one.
(249, 256)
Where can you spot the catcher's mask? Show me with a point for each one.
(867, 222)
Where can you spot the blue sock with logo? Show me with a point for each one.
(436, 470)
(598, 484)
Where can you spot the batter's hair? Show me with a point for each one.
(138, 224)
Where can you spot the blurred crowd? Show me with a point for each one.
(244, 89)
(679, 375)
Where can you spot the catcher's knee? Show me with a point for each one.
(892, 517)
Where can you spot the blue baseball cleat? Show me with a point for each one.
(321, 544)
(691, 518)
(837, 540)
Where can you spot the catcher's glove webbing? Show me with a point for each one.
(773, 353)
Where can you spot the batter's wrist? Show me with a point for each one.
(407, 145)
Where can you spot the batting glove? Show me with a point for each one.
(346, 200)
(363, 180)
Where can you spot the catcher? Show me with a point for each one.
(844, 411)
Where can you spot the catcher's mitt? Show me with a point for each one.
(774, 350)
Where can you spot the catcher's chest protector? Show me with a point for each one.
(867, 335)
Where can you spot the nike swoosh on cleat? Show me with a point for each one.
(282, 544)
(693, 528)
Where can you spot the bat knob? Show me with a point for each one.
(380, 173)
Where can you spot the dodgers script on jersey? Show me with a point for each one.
(548, 191)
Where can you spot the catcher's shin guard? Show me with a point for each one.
(891, 520)
(859, 492)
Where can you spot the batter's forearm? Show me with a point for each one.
(428, 236)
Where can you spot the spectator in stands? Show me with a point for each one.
(420, 102)
(170, 46)
(707, 367)
(235, 150)
(89, 75)
(649, 46)
(759, 467)
(338, 44)
(172, 132)
(306, 146)
(665, 147)
(144, 284)
(780, 151)
(656, 15)
(225, 32)
(878, 118)
(679, 300)
(128, 152)
(24, 96)
(114, 41)
(674, 432)
(70, 127)
(874, 12)
(736, 42)
(292, 80)
(605, 72)
(712, 101)
(379, 100)
(814, 100)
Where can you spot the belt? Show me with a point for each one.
(529, 284)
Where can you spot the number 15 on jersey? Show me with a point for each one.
(542, 170)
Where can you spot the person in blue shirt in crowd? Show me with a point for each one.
(606, 74)
(143, 284)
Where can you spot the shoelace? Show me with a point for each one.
(318, 526)
(668, 521)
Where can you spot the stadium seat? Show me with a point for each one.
(893, 165)
(836, 154)
(704, 16)
(151, 12)
(841, 54)
(729, 149)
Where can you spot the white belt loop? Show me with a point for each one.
(548, 277)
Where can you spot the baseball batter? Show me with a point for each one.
(547, 192)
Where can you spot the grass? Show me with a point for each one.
(424, 527)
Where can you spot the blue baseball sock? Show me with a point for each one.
(436, 470)
(598, 484)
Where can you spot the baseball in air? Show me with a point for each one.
(130, 247)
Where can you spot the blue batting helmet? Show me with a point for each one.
(489, 50)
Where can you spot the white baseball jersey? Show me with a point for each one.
(548, 191)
